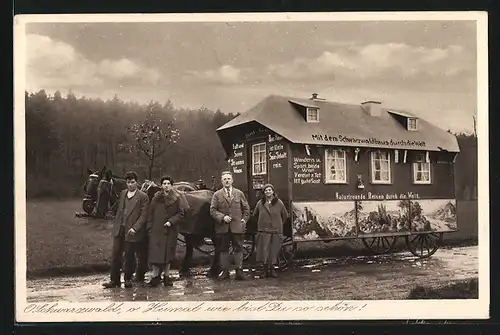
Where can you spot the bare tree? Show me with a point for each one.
(153, 136)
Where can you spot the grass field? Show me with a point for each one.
(58, 242)
(56, 238)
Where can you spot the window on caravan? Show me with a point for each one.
(259, 159)
(381, 167)
(335, 166)
(421, 170)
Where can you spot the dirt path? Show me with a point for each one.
(388, 277)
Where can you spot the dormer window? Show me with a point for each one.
(407, 120)
(412, 124)
(308, 110)
(312, 114)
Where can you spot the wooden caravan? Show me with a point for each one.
(348, 171)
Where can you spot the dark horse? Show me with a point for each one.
(90, 190)
(197, 225)
(101, 191)
(108, 192)
(93, 188)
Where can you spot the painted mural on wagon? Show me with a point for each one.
(437, 215)
(383, 216)
(321, 220)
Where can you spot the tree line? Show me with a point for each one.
(466, 167)
(67, 135)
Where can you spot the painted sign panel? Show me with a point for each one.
(376, 196)
(340, 139)
(323, 220)
(277, 153)
(238, 164)
(259, 181)
(237, 159)
(383, 216)
(439, 215)
(306, 170)
(278, 165)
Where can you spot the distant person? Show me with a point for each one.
(166, 211)
(271, 213)
(129, 230)
(231, 212)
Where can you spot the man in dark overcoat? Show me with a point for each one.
(231, 211)
(129, 232)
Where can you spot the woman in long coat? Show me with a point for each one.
(271, 213)
(166, 211)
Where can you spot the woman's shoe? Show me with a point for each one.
(272, 272)
(265, 271)
(155, 281)
(224, 275)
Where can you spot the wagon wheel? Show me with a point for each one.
(248, 246)
(286, 253)
(88, 206)
(424, 245)
(207, 247)
(381, 244)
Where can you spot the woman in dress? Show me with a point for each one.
(166, 211)
(271, 213)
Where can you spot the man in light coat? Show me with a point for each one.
(231, 212)
(129, 231)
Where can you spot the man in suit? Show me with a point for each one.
(129, 232)
(231, 212)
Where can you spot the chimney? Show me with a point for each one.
(315, 97)
(374, 108)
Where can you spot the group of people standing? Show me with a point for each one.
(149, 231)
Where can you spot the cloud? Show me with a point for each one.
(391, 60)
(125, 68)
(226, 75)
(51, 64)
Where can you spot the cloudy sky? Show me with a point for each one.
(428, 68)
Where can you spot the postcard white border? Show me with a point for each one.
(366, 310)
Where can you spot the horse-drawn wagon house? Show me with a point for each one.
(345, 170)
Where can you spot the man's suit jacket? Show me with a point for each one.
(136, 217)
(237, 208)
